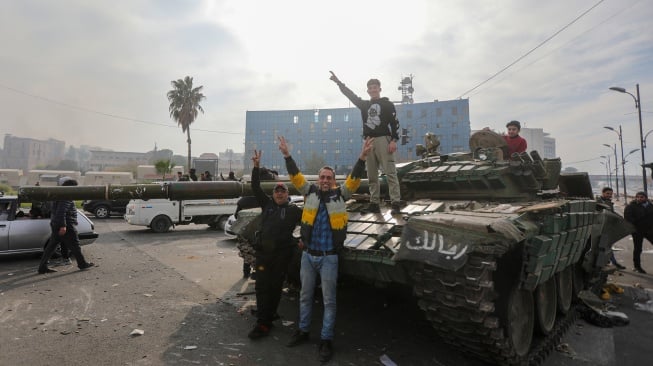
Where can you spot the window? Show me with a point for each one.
(329, 118)
(454, 111)
(346, 117)
(295, 119)
(423, 113)
(316, 116)
(438, 112)
(437, 125)
(409, 114)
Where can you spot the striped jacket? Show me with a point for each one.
(334, 201)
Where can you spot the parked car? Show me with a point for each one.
(102, 209)
(20, 233)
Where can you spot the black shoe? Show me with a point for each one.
(396, 208)
(252, 276)
(259, 331)
(619, 266)
(326, 350)
(46, 270)
(86, 266)
(297, 338)
(373, 208)
(639, 270)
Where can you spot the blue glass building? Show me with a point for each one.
(335, 135)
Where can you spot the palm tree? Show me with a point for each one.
(163, 167)
(184, 104)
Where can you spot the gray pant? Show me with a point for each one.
(381, 158)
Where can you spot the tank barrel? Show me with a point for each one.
(168, 190)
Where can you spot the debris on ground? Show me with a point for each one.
(137, 332)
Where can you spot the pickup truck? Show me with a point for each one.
(162, 214)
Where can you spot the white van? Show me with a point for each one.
(162, 214)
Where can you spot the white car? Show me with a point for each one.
(20, 233)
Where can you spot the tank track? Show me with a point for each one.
(461, 307)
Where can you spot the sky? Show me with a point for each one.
(97, 73)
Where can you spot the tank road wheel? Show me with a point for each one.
(520, 320)
(160, 224)
(564, 289)
(545, 305)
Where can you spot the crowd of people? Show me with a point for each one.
(323, 219)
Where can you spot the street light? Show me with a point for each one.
(616, 162)
(627, 155)
(616, 168)
(638, 105)
(646, 136)
(607, 171)
(608, 166)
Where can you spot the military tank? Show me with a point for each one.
(495, 249)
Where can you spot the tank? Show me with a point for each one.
(496, 250)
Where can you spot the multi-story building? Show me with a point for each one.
(539, 140)
(26, 153)
(335, 135)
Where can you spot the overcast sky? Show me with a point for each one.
(97, 72)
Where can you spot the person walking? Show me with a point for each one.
(274, 248)
(323, 233)
(639, 212)
(379, 121)
(63, 223)
(605, 199)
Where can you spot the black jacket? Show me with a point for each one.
(640, 216)
(379, 115)
(278, 221)
(64, 214)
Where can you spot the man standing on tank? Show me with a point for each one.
(639, 212)
(380, 122)
(323, 233)
(274, 248)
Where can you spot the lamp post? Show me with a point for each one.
(607, 171)
(616, 162)
(616, 167)
(624, 167)
(638, 105)
(609, 167)
(646, 136)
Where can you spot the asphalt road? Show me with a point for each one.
(183, 289)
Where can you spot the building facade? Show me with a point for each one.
(334, 136)
(26, 153)
(539, 140)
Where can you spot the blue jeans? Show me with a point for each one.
(327, 267)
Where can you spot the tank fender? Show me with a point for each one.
(444, 240)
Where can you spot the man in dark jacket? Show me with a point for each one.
(605, 202)
(379, 122)
(63, 223)
(639, 212)
(274, 248)
(323, 232)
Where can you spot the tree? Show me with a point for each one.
(184, 105)
(164, 167)
(314, 164)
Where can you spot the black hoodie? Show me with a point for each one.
(379, 115)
